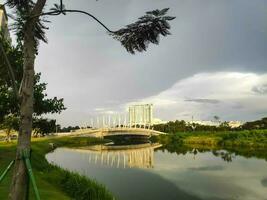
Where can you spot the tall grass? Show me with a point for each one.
(53, 182)
(76, 186)
(257, 138)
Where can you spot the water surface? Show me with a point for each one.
(149, 171)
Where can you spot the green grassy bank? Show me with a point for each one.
(249, 144)
(248, 138)
(53, 182)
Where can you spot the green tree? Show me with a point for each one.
(258, 124)
(9, 109)
(9, 123)
(216, 118)
(30, 30)
(224, 126)
(43, 126)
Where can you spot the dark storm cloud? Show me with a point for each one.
(209, 101)
(89, 69)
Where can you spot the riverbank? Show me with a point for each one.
(53, 182)
(245, 143)
(247, 138)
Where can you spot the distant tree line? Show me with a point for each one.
(258, 124)
(44, 127)
(67, 129)
(182, 126)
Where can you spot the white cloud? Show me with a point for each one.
(227, 94)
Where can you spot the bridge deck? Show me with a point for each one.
(116, 132)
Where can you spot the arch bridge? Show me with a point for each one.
(119, 131)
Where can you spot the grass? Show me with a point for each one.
(247, 138)
(53, 182)
(249, 144)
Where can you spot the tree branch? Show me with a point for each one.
(90, 15)
(37, 9)
(59, 12)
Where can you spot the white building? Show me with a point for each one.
(4, 23)
(141, 114)
(232, 124)
(235, 124)
(206, 123)
(159, 121)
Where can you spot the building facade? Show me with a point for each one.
(235, 124)
(141, 114)
(4, 23)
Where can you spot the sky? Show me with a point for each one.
(214, 63)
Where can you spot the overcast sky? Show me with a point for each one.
(214, 63)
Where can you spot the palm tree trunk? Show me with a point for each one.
(19, 183)
(20, 177)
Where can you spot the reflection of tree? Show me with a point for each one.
(249, 152)
(180, 149)
(174, 144)
(226, 156)
(194, 151)
(264, 182)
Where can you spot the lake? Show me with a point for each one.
(150, 171)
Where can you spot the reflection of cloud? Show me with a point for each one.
(264, 182)
(260, 89)
(161, 186)
(212, 101)
(207, 168)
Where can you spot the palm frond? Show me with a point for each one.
(22, 10)
(18, 3)
(147, 29)
(59, 8)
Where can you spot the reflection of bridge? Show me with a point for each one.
(118, 131)
(139, 156)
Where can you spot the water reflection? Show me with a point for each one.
(208, 168)
(154, 171)
(126, 156)
(264, 182)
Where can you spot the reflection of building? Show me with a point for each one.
(126, 156)
(141, 114)
(3, 22)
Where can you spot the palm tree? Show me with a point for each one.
(216, 118)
